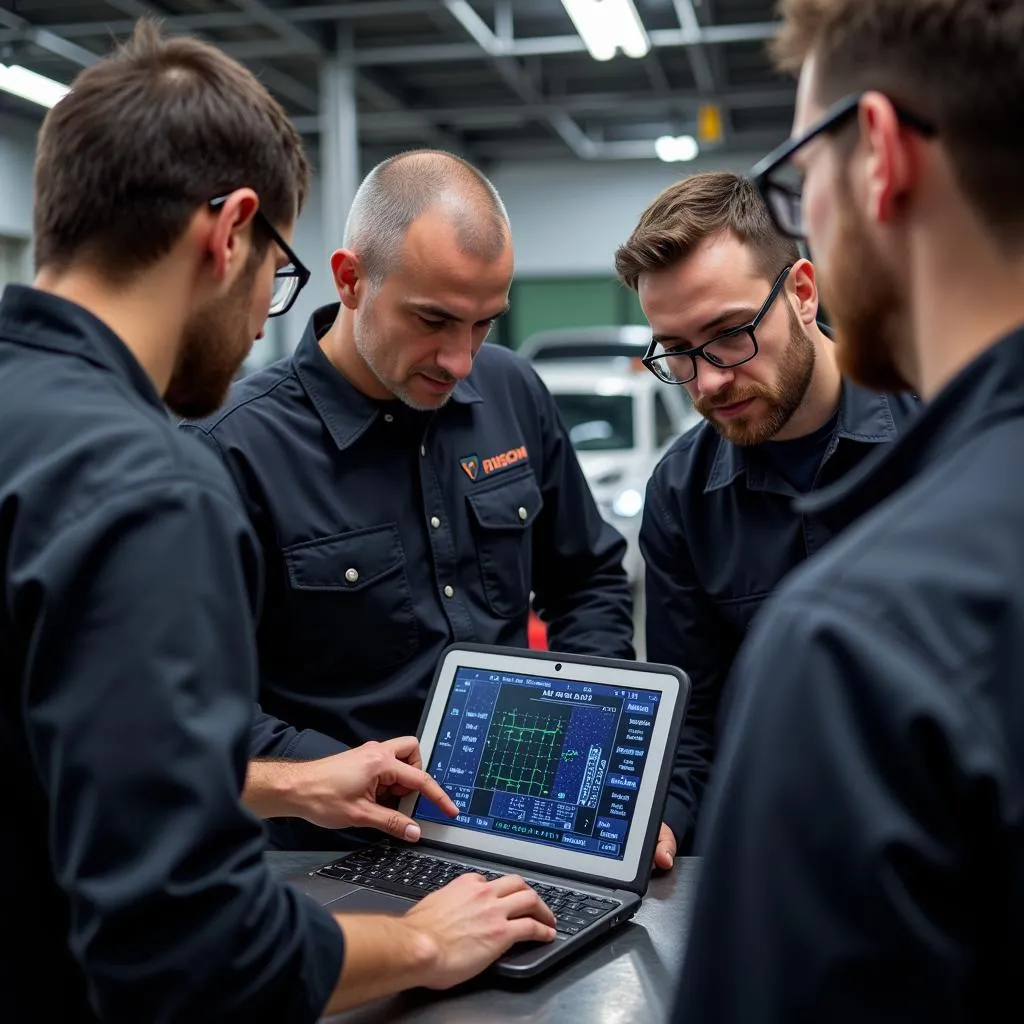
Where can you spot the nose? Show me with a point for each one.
(456, 357)
(710, 380)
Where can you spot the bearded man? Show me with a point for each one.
(733, 310)
(411, 485)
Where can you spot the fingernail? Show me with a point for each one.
(412, 833)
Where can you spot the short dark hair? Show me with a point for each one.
(954, 63)
(144, 138)
(698, 208)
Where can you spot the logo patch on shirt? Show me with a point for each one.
(474, 467)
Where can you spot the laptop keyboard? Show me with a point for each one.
(415, 875)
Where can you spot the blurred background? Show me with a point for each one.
(580, 112)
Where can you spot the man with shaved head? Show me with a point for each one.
(410, 486)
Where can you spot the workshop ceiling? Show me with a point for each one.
(495, 80)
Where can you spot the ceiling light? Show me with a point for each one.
(674, 148)
(608, 25)
(30, 86)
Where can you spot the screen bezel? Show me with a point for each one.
(634, 867)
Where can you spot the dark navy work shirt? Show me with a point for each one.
(798, 460)
(863, 839)
(389, 533)
(719, 532)
(131, 877)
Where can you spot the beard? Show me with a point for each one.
(215, 342)
(796, 367)
(371, 345)
(864, 304)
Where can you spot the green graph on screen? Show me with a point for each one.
(522, 752)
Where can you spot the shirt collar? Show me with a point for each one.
(864, 416)
(40, 320)
(988, 390)
(345, 410)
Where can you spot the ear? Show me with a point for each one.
(888, 169)
(347, 272)
(803, 279)
(228, 233)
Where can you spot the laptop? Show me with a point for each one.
(559, 765)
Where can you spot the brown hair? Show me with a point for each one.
(695, 209)
(144, 138)
(956, 63)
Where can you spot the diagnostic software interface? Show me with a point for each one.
(548, 760)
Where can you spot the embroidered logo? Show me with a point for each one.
(474, 467)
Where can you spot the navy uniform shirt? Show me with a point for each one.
(719, 533)
(130, 875)
(389, 533)
(863, 840)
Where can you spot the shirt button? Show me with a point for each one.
(449, 591)
(352, 575)
(522, 513)
(435, 522)
(388, 418)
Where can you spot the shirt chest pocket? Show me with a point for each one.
(502, 518)
(350, 602)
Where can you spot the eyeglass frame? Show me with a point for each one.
(294, 268)
(832, 120)
(697, 352)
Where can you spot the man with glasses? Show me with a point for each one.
(863, 839)
(410, 485)
(167, 183)
(733, 310)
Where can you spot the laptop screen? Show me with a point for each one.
(552, 761)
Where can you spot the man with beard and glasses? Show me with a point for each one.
(733, 310)
(863, 837)
(411, 485)
(167, 182)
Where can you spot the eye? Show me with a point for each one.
(432, 324)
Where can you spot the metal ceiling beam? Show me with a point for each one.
(710, 35)
(513, 75)
(47, 40)
(256, 10)
(700, 65)
(593, 103)
(419, 126)
(281, 83)
(238, 19)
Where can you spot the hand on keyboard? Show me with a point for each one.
(471, 922)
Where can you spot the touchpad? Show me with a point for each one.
(366, 901)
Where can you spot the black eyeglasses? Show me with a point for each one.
(730, 348)
(780, 183)
(290, 279)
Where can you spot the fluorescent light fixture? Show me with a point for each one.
(608, 25)
(674, 148)
(30, 86)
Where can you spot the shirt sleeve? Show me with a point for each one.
(684, 630)
(844, 872)
(580, 585)
(138, 702)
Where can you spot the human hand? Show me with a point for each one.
(665, 851)
(352, 789)
(470, 922)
